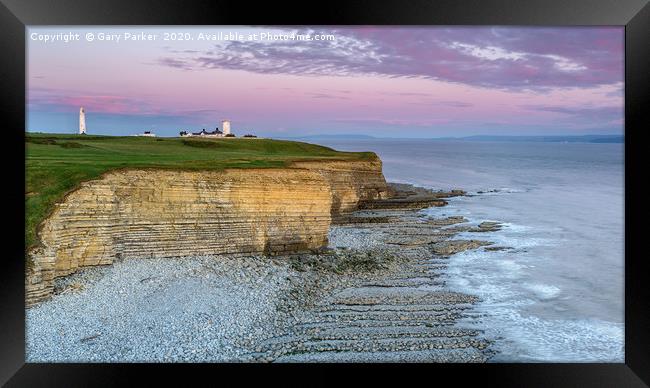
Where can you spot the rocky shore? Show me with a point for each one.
(376, 294)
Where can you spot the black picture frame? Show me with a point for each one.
(15, 15)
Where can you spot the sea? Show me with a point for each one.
(558, 294)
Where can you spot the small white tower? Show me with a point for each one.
(82, 121)
(225, 126)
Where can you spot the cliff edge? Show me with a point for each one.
(169, 213)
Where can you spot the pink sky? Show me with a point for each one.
(395, 82)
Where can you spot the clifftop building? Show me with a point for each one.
(203, 133)
(225, 125)
(82, 121)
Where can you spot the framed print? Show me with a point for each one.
(437, 187)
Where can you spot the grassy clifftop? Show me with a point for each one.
(57, 164)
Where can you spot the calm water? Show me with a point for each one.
(559, 294)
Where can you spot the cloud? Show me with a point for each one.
(451, 104)
(48, 100)
(429, 99)
(173, 62)
(393, 122)
(327, 96)
(490, 53)
(497, 57)
(576, 111)
(611, 115)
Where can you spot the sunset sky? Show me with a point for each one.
(379, 81)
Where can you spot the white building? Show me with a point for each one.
(147, 134)
(225, 126)
(82, 121)
(224, 132)
(203, 133)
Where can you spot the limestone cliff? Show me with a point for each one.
(166, 213)
(352, 183)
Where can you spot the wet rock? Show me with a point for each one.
(450, 247)
(487, 226)
(411, 241)
(405, 196)
(497, 248)
(447, 221)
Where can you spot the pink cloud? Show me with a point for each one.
(523, 58)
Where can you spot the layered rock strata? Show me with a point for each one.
(165, 213)
(353, 184)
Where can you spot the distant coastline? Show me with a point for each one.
(547, 139)
(481, 138)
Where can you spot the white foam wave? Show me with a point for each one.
(543, 291)
(529, 338)
(500, 190)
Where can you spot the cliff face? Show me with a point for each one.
(352, 183)
(164, 213)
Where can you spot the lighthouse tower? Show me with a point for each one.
(225, 126)
(82, 121)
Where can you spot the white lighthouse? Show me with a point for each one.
(225, 126)
(82, 121)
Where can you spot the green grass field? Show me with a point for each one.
(57, 164)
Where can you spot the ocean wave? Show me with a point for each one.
(543, 291)
(524, 337)
(529, 338)
(500, 190)
(499, 281)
